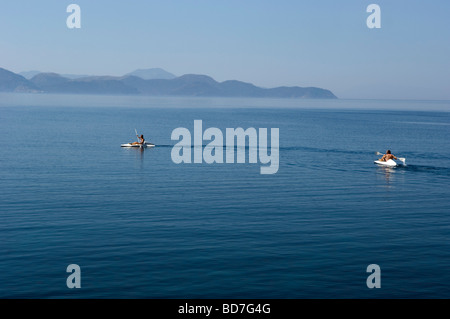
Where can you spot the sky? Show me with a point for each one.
(321, 43)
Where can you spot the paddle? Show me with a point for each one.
(400, 158)
(137, 136)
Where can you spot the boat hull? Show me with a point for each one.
(390, 163)
(146, 145)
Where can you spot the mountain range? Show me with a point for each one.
(153, 82)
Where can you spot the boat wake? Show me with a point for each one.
(442, 171)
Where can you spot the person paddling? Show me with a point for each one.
(141, 140)
(386, 157)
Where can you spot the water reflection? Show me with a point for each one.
(139, 154)
(388, 173)
(140, 151)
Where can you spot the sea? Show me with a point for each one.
(139, 225)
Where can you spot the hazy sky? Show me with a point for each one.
(323, 43)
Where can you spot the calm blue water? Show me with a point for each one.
(140, 226)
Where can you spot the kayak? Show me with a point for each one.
(146, 144)
(391, 163)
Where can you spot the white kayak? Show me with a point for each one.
(146, 144)
(392, 162)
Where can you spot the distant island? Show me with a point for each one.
(151, 82)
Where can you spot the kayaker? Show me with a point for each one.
(386, 157)
(141, 140)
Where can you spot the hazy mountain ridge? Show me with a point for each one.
(12, 82)
(152, 74)
(185, 85)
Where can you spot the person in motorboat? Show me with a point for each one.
(386, 157)
(141, 140)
